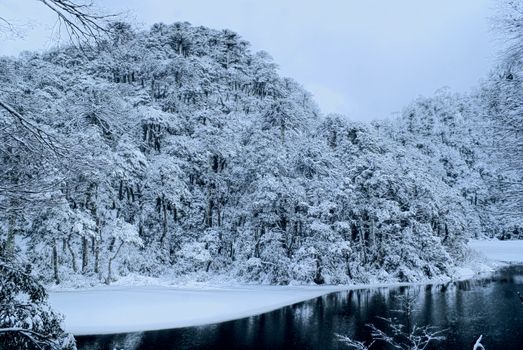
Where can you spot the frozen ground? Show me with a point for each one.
(496, 250)
(123, 309)
(116, 309)
(485, 256)
(126, 309)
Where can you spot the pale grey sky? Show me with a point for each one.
(362, 58)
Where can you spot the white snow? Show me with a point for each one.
(107, 309)
(501, 251)
(119, 309)
(486, 256)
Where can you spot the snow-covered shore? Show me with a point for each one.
(107, 309)
(486, 256)
(116, 309)
(499, 251)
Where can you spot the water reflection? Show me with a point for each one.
(487, 306)
(116, 341)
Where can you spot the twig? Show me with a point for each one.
(42, 136)
(478, 344)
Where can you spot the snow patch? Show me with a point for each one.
(485, 256)
(501, 251)
(108, 309)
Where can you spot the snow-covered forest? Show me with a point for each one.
(179, 150)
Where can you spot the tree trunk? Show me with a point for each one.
(218, 215)
(85, 254)
(9, 251)
(349, 271)
(109, 278)
(362, 242)
(258, 233)
(446, 234)
(164, 224)
(73, 256)
(209, 209)
(318, 278)
(97, 243)
(372, 234)
(97, 257)
(55, 262)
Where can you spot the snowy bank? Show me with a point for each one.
(500, 251)
(124, 309)
(486, 256)
(119, 309)
(106, 309)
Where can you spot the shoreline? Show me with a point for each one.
(134, 308)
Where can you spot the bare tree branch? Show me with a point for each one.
(81, 21)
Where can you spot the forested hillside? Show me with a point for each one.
(180, 151)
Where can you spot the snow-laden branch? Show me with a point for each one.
(41, 135)
(478, 345)
(41, 341)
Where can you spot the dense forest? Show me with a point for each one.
(178, 151)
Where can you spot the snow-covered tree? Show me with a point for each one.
(26, 320)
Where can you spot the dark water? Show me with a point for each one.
(466, 309)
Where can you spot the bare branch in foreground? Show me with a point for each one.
(478, 345)
(82, 22)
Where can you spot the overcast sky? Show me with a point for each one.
(362, 58)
